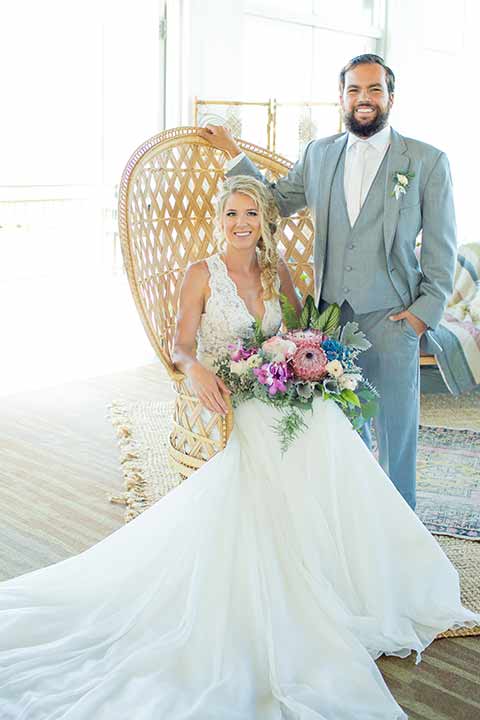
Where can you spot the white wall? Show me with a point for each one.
(204, 48)
(432, 47)
(81, 86)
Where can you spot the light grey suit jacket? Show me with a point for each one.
(426, 206)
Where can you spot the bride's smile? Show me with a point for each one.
(241, 222)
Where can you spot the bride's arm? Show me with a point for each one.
(205, 384)
(287, 287)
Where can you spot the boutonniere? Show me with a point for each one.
(402, 181)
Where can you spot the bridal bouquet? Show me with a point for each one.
(315, 357)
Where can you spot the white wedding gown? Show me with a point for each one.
(262, 588)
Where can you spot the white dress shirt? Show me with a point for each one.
(361, 166)
(362, 161)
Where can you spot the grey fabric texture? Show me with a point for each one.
(427, 206)
(356, 263)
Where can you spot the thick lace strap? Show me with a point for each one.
(219, 281)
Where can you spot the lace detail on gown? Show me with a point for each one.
(226, 316)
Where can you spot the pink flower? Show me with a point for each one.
(278, 348)
(309, 362)
(238, 352)
(300, 336)
(274, 375)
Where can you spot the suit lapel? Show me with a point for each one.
(330, 161)
(397, 160)
(326, 171)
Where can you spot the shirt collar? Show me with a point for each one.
(380, 141)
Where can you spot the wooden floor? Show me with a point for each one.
(59, 462)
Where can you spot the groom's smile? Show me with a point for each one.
(365, 100)
(365, 110)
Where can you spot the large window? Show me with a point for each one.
(293, 53)
(82, 88)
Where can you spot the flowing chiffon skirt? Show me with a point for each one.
(262, 588)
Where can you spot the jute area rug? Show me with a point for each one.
(142, 429)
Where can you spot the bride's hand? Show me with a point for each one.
(221, 138)
(209, 388)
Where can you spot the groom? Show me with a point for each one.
(371, 191)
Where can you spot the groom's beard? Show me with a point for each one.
(366, 130)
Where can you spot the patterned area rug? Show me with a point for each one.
(449, 464)
(142, 430)
(448, 481)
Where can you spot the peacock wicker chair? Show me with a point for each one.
(166, 222)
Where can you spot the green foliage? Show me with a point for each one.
(351, 336)
(308, 313)
(310, 317)
(289, 426)
(258, 336)
(350, 397)
(328, 320)
(289, 314)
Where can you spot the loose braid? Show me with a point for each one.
(267, 245)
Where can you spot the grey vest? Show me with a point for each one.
(356, 263)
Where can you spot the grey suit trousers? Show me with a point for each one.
(392, 366)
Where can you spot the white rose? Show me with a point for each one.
(239, 368)
(254, 361)
(349, 381)
(402, 179)
(335, 368)
(279, 349)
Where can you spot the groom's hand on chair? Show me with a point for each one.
(418, 325)
(221, 138)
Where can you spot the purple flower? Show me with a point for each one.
(238, 352)
(274, 375)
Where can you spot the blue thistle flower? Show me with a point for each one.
(334, 350)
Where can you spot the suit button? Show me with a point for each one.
(348, 268)
(351, 247)
(345, 290)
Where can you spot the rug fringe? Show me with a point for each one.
(136, 497)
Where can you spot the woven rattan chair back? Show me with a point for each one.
(166, 222)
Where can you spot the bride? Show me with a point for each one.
(263, 587)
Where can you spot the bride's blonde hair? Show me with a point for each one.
(267, 244)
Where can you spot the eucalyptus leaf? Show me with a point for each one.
(351, 336)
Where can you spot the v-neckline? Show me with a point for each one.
(235, 289)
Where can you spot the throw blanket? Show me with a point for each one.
(459, 331)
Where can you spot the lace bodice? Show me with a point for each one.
(226, 316)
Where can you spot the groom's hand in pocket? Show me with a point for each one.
(418, 325)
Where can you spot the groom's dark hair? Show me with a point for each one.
(368, 59)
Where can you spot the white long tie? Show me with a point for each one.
(357, 175)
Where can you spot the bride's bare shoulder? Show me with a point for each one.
(196, 275)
